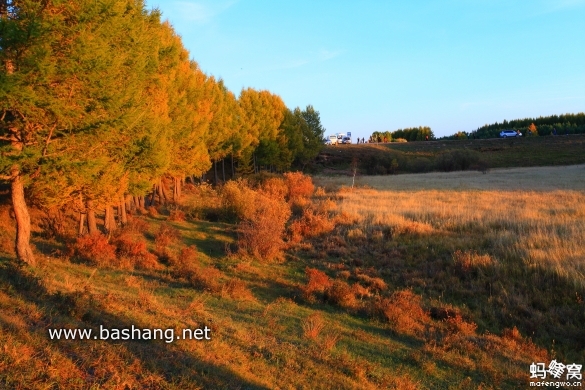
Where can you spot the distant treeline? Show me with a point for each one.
(563, 124)
(99, 100)
(410, 134)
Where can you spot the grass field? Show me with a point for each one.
(417, 157)
(440, 281)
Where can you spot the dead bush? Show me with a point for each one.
(313, 325)
(457, 325)
(177, 215)
(376, 284)
(360, 291)
(317, 282)
(274, 188)
(165, 236)
(403, 311)
(237, 289)
(205, 278)
(311, 224)
(340, 293)
(95, 249)
(238, 200)
(261, 235)
(134, 249)
(152, 212)
(136, 225)
(299, 185)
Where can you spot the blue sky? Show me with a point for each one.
(383, 65)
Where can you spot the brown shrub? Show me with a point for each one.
(95, 249)
(313, 325)
(274, 188)
(135, 250)
(152, 211)
(237, 289)
(373, 283)
(403, 310)
(360, 291)
(261, 235)
(317, 281)
(457, 325)
(299, 185)
(164, 237)
(238, 200)
(177, 215)
(512, 334)
(206, 278)
(340, 293)
(312, 223)
(329, 340)
(136, 225)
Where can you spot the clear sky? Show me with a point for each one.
(383, 65)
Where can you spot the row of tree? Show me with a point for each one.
(562, 124)
(421, 133)
(99, 100)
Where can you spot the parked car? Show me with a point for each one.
(346, 140)
(510, 133)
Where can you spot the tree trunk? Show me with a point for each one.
(215, 172)
(129, 203)
(141, 202)
(160, 192)
(223, 168)
(109, 220)
(233, 171)
(123, 216)
(91, 221)
(81, 230)
(22, 245)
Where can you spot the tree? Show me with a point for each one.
(71, 87)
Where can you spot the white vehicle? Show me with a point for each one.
(510, 133)
(344, 138)
(332, 140)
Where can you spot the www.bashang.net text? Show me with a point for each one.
(130, 334)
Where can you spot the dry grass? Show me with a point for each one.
(570, 177)
(542, 228)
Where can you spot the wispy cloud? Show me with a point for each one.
(200, 11)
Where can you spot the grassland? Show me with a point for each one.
(451, 281)
(417, 157)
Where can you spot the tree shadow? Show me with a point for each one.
(79, 310)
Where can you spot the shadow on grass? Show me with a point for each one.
(173, 367)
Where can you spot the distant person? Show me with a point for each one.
(426, 137)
